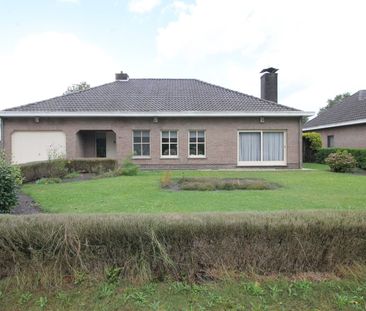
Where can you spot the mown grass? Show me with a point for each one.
(300, 190)
(241, 293)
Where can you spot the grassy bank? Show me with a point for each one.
(303, 292)
(300, 190)
(192, 248)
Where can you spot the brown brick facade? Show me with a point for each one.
(352, 136)
(221, 137)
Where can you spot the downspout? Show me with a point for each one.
(1, 134)
(300, 143)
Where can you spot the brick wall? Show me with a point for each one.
(221, 136)
(352, 136)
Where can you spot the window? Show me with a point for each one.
(141, 143)
(197, 143)
(169, 144)
(330, 141)
(261, 148)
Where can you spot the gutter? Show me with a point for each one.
(24, 114)
(330, 125)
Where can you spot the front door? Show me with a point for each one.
(101, 145)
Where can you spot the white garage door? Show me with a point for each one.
(37, 145)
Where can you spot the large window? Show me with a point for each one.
(169, 144)
(262, 148)
(141, 143)
(197, 143)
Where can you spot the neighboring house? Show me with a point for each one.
(164, 123)
(342, 125)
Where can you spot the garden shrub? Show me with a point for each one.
(358, 154)
(129, 168)
(10, 179)
(166, 179)
(312, 143)
(341, 161)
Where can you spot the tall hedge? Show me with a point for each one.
(358, 154)
(190, 247)
(312, 142)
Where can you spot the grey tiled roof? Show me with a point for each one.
(152, 95)
(351, 108)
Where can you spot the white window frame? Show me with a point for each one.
(261, 162)
(161, 145)
(189, 142)
(133, 147)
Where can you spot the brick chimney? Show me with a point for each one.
(121, 76)
(269, 84)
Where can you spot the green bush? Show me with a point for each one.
(358, 154)
(184, 247)
(10, 179)
(312, 143)
(341, 161)
(129, 168)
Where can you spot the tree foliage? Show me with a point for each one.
(77, 88)
(337, 99)
(312, 143)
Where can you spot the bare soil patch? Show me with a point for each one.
(26, 205)
(214, 184)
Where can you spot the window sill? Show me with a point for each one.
(141, 158)
(263, 163)
(197, 157)
(169, 158)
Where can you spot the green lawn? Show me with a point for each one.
(306, 189)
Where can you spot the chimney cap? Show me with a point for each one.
(269, 70)
(122, 76)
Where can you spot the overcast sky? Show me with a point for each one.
(318, 46)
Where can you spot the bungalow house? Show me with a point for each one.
(342, 125)
(163, 123)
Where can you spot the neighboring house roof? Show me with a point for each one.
(352, 110)
(154, 97)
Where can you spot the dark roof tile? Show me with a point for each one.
(152, 95)
(352, 108)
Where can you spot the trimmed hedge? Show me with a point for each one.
(91, 165)
(358, 154)
(37, 170)
(191, 247)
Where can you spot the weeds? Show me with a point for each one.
(25, 298)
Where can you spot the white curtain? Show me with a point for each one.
(250, 146)
(273, 147)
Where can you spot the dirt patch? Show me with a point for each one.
(214, 184)
(26, 205)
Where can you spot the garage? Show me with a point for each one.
(30, 146)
